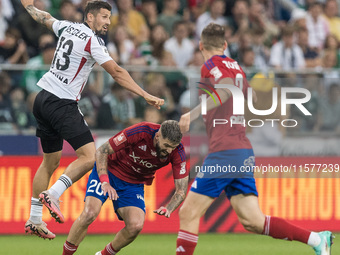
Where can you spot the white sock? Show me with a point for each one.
(36, 211)
(63, 183)
(314, 239)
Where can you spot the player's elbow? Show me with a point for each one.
(117, 71)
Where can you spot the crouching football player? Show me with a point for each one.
(124, 164)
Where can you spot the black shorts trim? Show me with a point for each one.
(80, 140)
(51, 145)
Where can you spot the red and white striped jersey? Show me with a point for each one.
(78, 49)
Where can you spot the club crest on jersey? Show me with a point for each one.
(216, 72)
(142, 147)
(153, 153)
(118, 140)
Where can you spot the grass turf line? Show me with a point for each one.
(214, 244)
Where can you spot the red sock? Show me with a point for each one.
(108, 250)
(69, 249)
(281, 229)
(186, 243)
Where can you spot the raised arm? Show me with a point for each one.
(39, 16)
(102, 154)
(124, 79)
(177, 198)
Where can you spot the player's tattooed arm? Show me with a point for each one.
(180, 193)
(102, 154)
(41, 17)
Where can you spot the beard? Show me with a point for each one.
(161, 153)
(101, 32)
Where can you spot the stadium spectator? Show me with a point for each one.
(20, 113)
(149, 11)
(3, 22)
(259, 20)
(150, 115)
(332, 43)
(329, 58)
(13, 50)
(244, 42)
(117, 109)
(120, 46)
(317, 26)
(169, 15)
(262, 52)
(311, 55)
(68, 11)
(179, 45)
(239, 20)
(285, 54)
(155, 83)
(298, 18)
(197, 7)
(158, 38)
(331, 11)
(36, 70)
(6, 118)
(214, 15)
(32, 30)
(248, 59)
(152, 146)
(132, 20)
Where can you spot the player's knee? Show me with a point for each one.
(186, 213)
(134, 228)
(51, 164)
(88, 216)
(88, 161)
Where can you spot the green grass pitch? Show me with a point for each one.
(212, 244)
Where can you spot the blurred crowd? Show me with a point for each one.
(283, 36)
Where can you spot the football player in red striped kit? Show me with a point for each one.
(124, 164)
(228, 144)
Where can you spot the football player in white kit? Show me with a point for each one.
(56, 109)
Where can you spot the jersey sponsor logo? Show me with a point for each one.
(142, 162)
(153, 153)
(231, 65)
(77, 32)
(142, 147)
(61, 78)
(216, 73)
(139, 196)
(118, 140)
(183, 170)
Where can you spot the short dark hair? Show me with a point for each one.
(213, 37)
(178, 23)
(170, 130)
(95, 6)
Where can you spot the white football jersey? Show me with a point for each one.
(78, 49)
